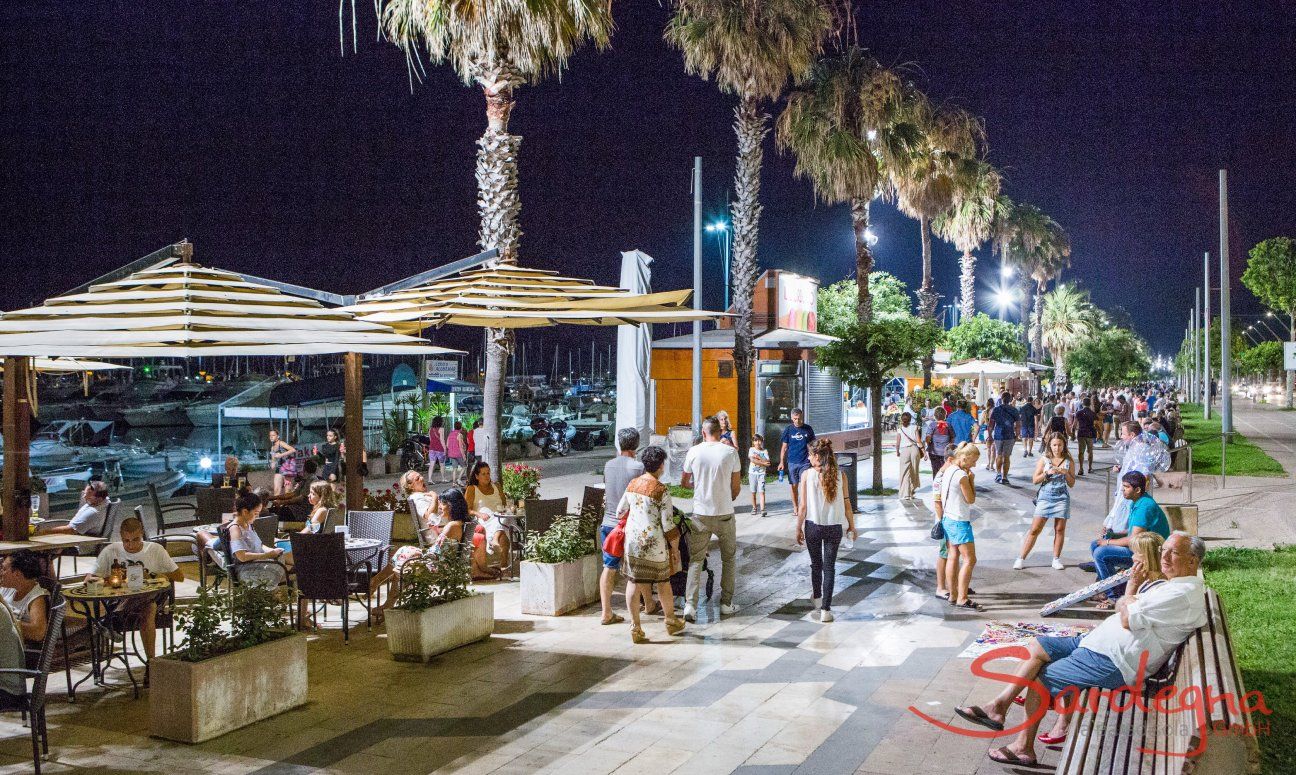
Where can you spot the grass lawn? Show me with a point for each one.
(1255, 587)
(1244, 458)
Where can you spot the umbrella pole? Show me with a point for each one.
(353, 393)
(15, 489)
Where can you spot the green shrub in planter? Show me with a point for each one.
(567, 539)
(215, 624)
(433, 578)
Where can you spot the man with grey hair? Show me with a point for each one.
(617, 475)
(714, 471)
(1149, 624)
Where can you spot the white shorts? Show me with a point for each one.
(756, 482)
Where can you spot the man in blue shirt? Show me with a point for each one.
(1004, 421)
(794, 457)
(1111, 553)
(961, 423)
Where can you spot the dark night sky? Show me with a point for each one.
(126, 126)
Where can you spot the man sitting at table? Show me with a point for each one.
(134, 550)
(89, 519)
(1148, 625)
(20, 573)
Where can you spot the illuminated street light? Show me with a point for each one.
(870, 236)
(721, 230)
(1005, 270)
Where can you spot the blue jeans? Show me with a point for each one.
(1110, 560)
(609, 562)
(822, 541)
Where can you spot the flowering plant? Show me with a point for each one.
(520, 481)
(390, 499)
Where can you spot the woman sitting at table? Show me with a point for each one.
(246, 546)
(23, 595)
(445, 533)
(322, 498)
(490, 539)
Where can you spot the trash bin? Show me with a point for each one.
(846, 462)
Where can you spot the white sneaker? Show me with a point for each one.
(816, 603)
(690, 613)
(729, 610)
(1057, 564)
(825, 616)
(1019, 563)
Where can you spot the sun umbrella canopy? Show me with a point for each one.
(984, 369)
(70, 365)
(188, 310)
(507, 296)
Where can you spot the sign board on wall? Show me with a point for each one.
(440, 370)
(797, 302)
(1289, 356)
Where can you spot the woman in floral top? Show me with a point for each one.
(652, 542)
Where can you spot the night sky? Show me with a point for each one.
(126, 126)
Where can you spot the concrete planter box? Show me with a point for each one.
(419, 636)
(196, 701)
(553, 589)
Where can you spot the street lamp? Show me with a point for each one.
(1005, 270)
(723, 236)
(1004, 299)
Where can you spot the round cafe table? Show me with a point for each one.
(98, 609)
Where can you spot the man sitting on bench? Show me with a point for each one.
(1155, 622)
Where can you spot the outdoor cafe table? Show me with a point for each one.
(49, 545)
(97, 608)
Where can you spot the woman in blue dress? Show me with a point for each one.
(1055, 474)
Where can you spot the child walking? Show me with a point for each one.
(758, 460)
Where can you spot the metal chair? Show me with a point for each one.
(538, 514)
(237, 570)
(267, 528)
(376, 525)
(157, 535)
(592, 501)
(323, 574)
(212, 502)
(31, 703)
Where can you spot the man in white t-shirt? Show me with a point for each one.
(89, 519)
(134, 550)
(714, 471)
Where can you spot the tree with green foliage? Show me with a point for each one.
(1068, 319)
(1112, 357)
(969, 223)
(1271, 276)
(868, 353)
(981, 336)
(838, 304)
(751, 49)
(1263, 360)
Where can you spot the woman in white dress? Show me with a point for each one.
(908, 447)
(486, 503)
(652, 542)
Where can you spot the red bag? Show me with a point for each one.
(614, 544)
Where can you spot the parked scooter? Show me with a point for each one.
(413, 452)
(551, 437)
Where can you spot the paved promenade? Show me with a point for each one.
(765, 691)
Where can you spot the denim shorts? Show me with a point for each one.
(957, 531)
(794, 472)
(1072, 665)
(613, 563)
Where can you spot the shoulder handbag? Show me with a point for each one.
(937, 531)
(614, 544)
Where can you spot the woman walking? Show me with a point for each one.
(456, 452)
(282, 463)
(437, 447)
(939, 437)
(652, 552)
(958, 493)
(331, 452)
(1055, 474)
(908, 447)
(821, 513)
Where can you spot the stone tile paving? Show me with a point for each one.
(765, 691)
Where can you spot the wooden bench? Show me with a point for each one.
(1141, 739)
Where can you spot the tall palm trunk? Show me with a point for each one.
(750, 127)
(1059, 368)
(926, 296)
(864, 311)
(967, 286)
(1037, 322)
(499, 203)
(1024, 290)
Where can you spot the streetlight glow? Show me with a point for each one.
(870, 236)
(1004, 298)
(1005, 270)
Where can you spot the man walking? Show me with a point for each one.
(714, 472)
(960, 422)
(1004, 425)
(1085, 434)
(617, 474)
(794, 455)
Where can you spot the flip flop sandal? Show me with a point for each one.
(1106, 605)
(939, 595)
(1046, 739)
(977, 715)
(968, 605)
(614, 619)
(1006, 756)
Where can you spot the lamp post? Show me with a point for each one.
(724, 238)
(1005, 272)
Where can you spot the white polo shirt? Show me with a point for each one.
(1159, 620)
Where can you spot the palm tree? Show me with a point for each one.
(977, 205)
(751, 49)
(1035, 245)
(940, 166)
(849, 128)
(1068, 319)
(498, 45)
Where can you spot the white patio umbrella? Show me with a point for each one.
(183, 310)
(69, 365)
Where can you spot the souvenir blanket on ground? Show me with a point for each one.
(1084, 593)
(1016, 634)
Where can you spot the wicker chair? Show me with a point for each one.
(323, 574)
(31, 703)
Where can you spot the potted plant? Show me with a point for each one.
(241, 663)
(435, 611)
(560, 569)
(520, 482)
